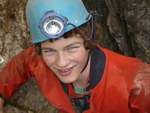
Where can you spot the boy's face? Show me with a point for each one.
(65, 57)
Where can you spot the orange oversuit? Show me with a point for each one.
(113, 94)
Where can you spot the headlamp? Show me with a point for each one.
(53, 25)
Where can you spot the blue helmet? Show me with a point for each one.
(50, 19)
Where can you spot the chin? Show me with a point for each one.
(68, 80)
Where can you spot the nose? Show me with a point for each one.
(62, 60)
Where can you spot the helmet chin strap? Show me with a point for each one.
(93, 15)
(87, 61)
(91, 36)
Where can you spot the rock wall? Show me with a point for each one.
(126, 26)
(14, 36)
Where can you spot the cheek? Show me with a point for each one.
(49, 61)
(81, 57)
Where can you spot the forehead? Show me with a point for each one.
(62, 42)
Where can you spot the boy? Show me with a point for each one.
(72, 71)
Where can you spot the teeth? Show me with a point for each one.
(65, 70)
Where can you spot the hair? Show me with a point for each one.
(84, 31)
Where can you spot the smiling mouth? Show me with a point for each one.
(66, 71)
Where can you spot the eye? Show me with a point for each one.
(48, 52)
(73, 48)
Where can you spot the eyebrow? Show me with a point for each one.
(72, 44)
(51, 49)
(47, 48)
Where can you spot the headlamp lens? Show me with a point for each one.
(53, 27)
